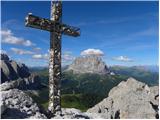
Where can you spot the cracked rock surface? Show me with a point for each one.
(130, 99)
(18, 105)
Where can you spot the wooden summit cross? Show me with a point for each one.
(56, 29)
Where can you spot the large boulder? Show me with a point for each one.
(130, 99)
(15, 104)
(89, 64)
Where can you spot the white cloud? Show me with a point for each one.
(96, 52)
(41, 56)
(37, 49)
(37, 56)
(46, 56)
(9, 38)
(123, 59)
(67, 56)
(21, 51)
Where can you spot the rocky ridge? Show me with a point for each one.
(17, 75)
(130, 99)
(16, 104)
(89, 64)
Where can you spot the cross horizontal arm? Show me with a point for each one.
(70, 30)
(39, 23)
(49, 25)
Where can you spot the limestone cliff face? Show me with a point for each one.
(130, 99)
(17, 75)
(12, 70)
(89, 64)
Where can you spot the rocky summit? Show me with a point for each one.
(17, 75)
(15, 104)
(89, 64)
(130, 99)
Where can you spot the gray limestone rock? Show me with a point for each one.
(17, 75)
(11, 70)
(19, 105)
(89, 64)
(130, 99)
(30, 83)
(71, 113)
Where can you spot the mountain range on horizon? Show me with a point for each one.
(150, 68)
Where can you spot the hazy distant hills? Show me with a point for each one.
(146, 74)
(147, 68)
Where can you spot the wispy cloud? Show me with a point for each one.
(90, 51)
(36, 49)
(119, 40)
(9, 38)
(67, 57)
(141, 47)
(21, 51)
(13, 24)
(40, 56)
(115, 20)
(122, 58)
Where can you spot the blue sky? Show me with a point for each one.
(125, 33)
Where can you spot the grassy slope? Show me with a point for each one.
(67, 100)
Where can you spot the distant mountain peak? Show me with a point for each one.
(89, 64)
(17, 75)
(4, 56)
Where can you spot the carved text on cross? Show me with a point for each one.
(56, 29)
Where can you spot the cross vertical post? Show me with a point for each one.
(55, 59)
(56, 28)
